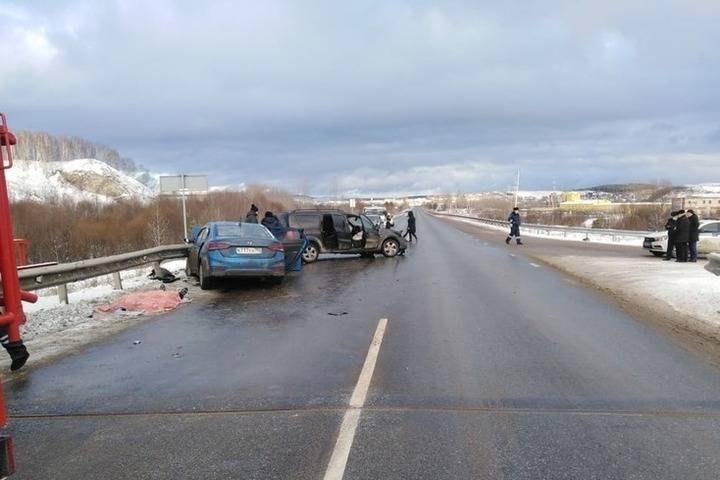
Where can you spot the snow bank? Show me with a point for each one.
(531, 231)
(661, 287)
(49, 316)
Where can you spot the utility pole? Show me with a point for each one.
(517, 187)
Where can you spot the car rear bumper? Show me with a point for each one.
(222, 272)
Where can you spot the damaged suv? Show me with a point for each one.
(334, 231)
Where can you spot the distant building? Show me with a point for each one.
(704, 205)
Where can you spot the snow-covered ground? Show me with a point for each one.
(54, 329)
(48, 315)
(685, 292)
(82, 179)
(559, 234)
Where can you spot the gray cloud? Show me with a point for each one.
(377, 96)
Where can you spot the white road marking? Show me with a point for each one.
(535, 265)
(511, 254)
(341, 452)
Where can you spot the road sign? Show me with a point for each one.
(178, 184)
(183, 185)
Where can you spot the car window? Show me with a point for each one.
(367, 223)
(711, 228)
(304, 221)
(339, 222)
(243, 230)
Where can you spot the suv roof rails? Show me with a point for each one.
(317, 210)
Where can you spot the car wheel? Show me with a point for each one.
(205, 280)
(311, 253)
(390, 247)
(658, 254)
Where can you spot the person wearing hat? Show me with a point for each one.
(514, 220)
(252, 215)
(682, 236)
(670, 227)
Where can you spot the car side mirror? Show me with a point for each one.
(194, 233)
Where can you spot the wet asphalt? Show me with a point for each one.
(490, 368)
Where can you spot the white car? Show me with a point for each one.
(709, 239)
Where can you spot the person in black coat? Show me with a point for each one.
(252, 215)
(272, 223)
(411, 227)
(694, 234)
(682, 236)
(515, 222)
(670, 227)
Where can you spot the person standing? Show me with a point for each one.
(682, 236)
(411, 227)
(670, 227)
(252, 215)
(694, 234)
(272, 223)
(514, 220)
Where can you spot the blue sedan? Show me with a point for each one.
(232, 249)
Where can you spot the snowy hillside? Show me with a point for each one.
(83, 179)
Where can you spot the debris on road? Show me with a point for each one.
(153, 301)
(337, 314)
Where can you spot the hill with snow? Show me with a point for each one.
(78, 180)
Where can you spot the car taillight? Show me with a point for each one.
(277, 247)
(218, 245)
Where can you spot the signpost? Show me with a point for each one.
(183, 185)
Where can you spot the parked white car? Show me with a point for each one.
(709, 239)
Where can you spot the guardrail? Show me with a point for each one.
(713, 264)
(59, 275)
(548, 229)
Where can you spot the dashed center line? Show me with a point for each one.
(535, 265)
(346, 436)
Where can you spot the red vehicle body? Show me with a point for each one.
(12, 315)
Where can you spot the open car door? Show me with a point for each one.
(294, 242)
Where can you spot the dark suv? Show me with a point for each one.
(334, 231)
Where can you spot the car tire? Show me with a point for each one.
(311, 253)
(658, 254)
(390, 248)
(205, 280)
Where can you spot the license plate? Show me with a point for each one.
(248, 251)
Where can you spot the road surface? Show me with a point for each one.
(456, 361)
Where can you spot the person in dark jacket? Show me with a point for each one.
(411, 227)
(682, 236)
(252, 215)
(515, 222)
(272, 223)
(694, 234)
(670, 227)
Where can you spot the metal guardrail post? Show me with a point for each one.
(63, 294)
(117, 281)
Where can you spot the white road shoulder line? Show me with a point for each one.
(346, 436)
(535, 265)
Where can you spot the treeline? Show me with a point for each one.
(43, 147)
(65, 231)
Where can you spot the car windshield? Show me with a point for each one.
(242, 230)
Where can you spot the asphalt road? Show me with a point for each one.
(489, 368)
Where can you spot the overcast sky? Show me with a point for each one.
(377, 96)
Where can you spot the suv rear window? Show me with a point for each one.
(306, 221)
